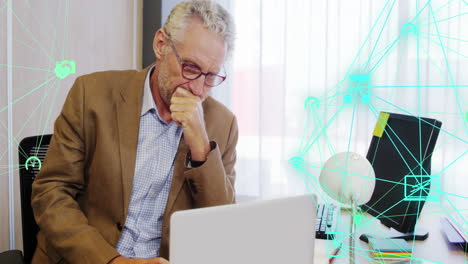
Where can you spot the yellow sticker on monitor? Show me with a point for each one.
(381, 124)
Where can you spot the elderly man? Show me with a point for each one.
(130, 148)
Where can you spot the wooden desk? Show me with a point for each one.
(434, 249)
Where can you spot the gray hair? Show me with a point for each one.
(213, 16)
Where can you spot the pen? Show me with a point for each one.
(330, 261)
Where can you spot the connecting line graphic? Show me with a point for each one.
(431, 41)
(28, 93)
(10, 9)
(43, 41)
(412, 114)
(419, 164)
(348, 72)
(23, 67)
(380, 34)
(58, 68)
(452, 81)
(359, 92)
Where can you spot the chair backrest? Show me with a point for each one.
(32, 151)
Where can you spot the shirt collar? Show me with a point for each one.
(148, 102)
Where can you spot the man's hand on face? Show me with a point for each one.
(187, 112)
(124, 260)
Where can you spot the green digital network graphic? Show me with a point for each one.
(418, 188)
(424, 41)
(425, 58)
(44, 41)
(334, 245)
(64, 68)
(33, 162)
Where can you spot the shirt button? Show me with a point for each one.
(119, 226)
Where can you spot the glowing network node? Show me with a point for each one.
(410, 28)
(418, 187)
(358, 218)
(348, 98)
(359, 81)
(33, 161)
(296, 162)
(357, 87)
(311, 102)
(359, 78)
(365, 98)
(64, 68)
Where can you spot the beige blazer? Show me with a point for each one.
(81, 196)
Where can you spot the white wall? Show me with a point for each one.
(97, 35)
(3, 136)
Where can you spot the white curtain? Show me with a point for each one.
(288, 51)
(414, 52)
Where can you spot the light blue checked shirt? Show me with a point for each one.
(156, 151)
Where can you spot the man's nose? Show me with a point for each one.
(197, 85)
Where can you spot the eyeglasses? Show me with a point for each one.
(193, 72)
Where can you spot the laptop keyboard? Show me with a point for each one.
(326, 221)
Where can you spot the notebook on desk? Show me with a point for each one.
(274, 231)
(385, 248)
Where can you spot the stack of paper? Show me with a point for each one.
(387, 248)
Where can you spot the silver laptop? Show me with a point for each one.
(272, 231)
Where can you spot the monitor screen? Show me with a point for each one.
(400, 153)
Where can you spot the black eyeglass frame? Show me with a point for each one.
(197, 72)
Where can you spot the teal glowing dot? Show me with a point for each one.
(296, 162)
(348, 98)
(311, 102)
(359, 78)
(358, 218)
(365, 98)
(418, 188)
(358, 81)
(64, 68)
(410, 28)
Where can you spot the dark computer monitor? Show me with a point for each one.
(400, 153)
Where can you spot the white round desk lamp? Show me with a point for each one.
(348, 178)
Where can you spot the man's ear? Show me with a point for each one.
(159, 43)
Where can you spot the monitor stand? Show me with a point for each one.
(419, 234)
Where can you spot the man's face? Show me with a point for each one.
(198, 47)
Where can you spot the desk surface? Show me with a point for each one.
(434, 249)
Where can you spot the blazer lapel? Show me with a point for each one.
(128, 122)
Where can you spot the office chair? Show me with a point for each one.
(32, 151)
